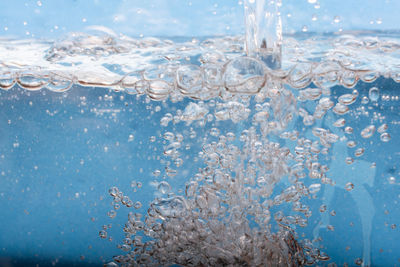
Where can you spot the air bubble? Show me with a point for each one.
(351, 144)
(358, 261)
(392, 180)
(349, 186)
(383, 128)
(348, 130)
(164, 187)
(373, 94)
(244, 75)
(112, 214)
(385, 137)
(322, 208)
(359, 152)
(349, 160)
(103, 234)
(368, 131)
(138, 205)
(347, 99)
(339, 123)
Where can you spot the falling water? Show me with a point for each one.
(264, 31)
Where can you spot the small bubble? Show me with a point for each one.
(393, 226)
(336, 19)
(349, 160)
(39, 3)
(314, 17)
(364, 100)
(349, 186)
(112, 214)
(385, 137)
(383, 128)
(330, 228)
(373, 94)
(392, 180)
(368, 131)
(333, 213)
(113, 191)
(359, 152)
(351, 143)
(348, 130)
(304, 28)
(130, 138)
(138, 205)
(164, 187)
(103, 234)
(322, 208)
(339, 123)
(358, 261)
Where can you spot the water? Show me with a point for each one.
(162, 151)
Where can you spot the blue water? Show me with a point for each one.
(60, 153)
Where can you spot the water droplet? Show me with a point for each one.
(373, 94)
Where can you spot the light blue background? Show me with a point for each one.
(53, 18)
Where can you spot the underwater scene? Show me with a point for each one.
(199, 133)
